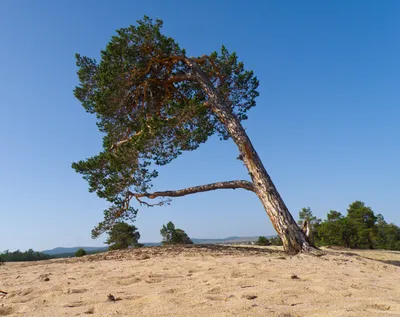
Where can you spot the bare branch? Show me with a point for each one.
(141, 202)
(179, 193)
(197, 189)
(117, 144)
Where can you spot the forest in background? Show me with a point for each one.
(360, 228)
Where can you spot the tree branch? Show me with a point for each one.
(179, 78)
(197, 189)
(141, 202)
(117, 144)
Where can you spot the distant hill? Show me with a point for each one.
(72, 250)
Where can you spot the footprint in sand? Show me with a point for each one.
(20, 296)
(77, 290)
(153, 280)
(129, 281)
(75, 304)
(236, 274)
(215, 290)
(249, 296)
(5, 310)
(132, 297)
(217, 298)
(170, 291)
(380, 307)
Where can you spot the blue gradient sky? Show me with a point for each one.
(326, 124)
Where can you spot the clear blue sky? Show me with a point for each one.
(326, 124)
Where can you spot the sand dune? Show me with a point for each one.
(204, 281)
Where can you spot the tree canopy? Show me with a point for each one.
(360, 228)
(151, 109)
(122, 235)
(172, 235)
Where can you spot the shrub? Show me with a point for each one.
(263, 241)
(276, 241)
(172, 235)
(122, 236)
(80, 252)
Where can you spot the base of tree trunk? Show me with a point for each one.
(305, 249)
(311, 250)
(300, 243)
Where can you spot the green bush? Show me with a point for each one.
(80, 252)
(276, 241)
(122, 236)
(359, 229)
(263, 241)
(172, 235)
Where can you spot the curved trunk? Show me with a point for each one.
(293, 238)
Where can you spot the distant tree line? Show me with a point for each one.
(18, 256)
(276, 240)
(359, 229)
(121, 236)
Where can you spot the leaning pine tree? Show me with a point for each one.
(152, 103)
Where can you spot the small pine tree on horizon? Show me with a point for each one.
(122, 236)
(172, 235)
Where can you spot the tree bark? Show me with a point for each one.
(293, 238)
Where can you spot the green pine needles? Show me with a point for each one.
(150, 109)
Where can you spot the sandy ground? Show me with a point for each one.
(205, 281)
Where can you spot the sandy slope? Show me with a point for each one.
(204, 281)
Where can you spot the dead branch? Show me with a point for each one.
(119, 143)
(141, 202)
(306, 228)
(112, 298)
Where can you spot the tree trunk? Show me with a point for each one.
(293, 238)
